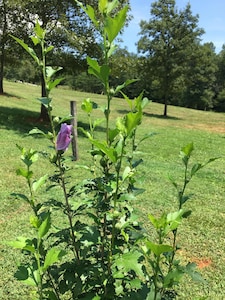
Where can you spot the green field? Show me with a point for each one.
(201, 237)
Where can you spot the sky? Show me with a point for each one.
(211, 19)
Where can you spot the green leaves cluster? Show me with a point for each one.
(48, 72)
(161, 256)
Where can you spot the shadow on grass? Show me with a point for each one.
(9, 95)
(162, 116)
(19, 120)
(22, 121)
(124, 111)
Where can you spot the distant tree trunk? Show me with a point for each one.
(44, 112)
(2, 69)
(1, 79)
(166, 95)
(2, 49)
(165, 108)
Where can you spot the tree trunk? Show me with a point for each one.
(1, 70)
(44, 117)
(165, 108)
(2, 50)
(1, 86)
(166, 93)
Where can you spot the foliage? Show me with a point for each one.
(11, 21)
(106, 248)
(201, 78)
(167, 39)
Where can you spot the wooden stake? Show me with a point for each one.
(73, 109)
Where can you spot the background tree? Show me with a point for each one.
(125, 66)
(219, 101)
(11, 22)
(67, 29)
(201, 78)
(168, 38)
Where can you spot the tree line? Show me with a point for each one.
(172, 65)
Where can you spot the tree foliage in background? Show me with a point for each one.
(169, 38)
(175, 67)
(67, 29)
(201, 78)
(11, 22)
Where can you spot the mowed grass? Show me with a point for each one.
(201, 237)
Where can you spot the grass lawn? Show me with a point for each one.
(201, 237)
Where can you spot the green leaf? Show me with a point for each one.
(186, 214)
(127, 173)
(112, 5)
(37, 131)
(45, 101)
(28, 156)
(129, 262)
(53, 84)
(94, 66)
(23, 274)
(146, 136)
(211, 160)
(132, 120)
(39, 31)
(196, 167)
(102, 6)
(158, 249)
(119, 287)
(35, 40)
(173, 182)
(37, 184)
(145, 101)
(112, 48)
(173, 220)
(114, 25)
(65, 119)
(135, 283)
(97, 122)
(50, 295)
(35, 221)
(184, 199)
(108, 151)
(45, 225)
(125, 84)
(153, 220)
(50, 71)
(88, 105)
(22, 243)
(50, 48)
(53, 256)
(186, 152)
(106, 7)
(96, 298)
(126, 197)
(28, 49)
(89, 10)
(21, 196)
(24, 172)
(101, 72)
(190, 270)
(173, 277)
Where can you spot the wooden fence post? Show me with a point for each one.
(73, 110)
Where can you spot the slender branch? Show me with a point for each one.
(68, 210)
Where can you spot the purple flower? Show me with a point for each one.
(64, 137)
